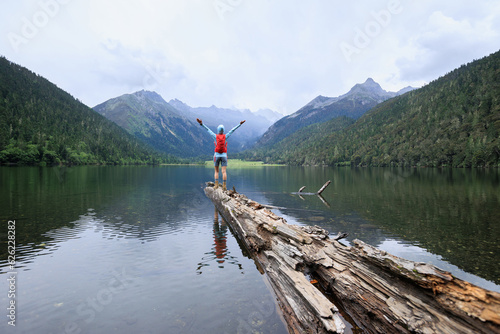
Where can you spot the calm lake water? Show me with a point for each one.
(136, 249)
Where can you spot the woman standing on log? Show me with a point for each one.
(220, 155)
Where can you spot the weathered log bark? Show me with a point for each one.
(381, 292)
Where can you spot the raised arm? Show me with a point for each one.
(234, 129)
(212, 134)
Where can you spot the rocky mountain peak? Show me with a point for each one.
(369, 86)
(148, 95)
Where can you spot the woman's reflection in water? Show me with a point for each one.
(220, 238)
(219, 251)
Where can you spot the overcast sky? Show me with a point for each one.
(254, 54)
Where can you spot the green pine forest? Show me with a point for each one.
(452, 121)
(41, 124)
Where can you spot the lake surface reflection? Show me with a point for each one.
(127, 250)
(140, 249)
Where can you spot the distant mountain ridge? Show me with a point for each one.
(353, 104)
(171, 127)
(150, 118)
(257, 122)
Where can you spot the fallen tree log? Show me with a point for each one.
(381, 292)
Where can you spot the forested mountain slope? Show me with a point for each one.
(42, 124)
(292, 150)
(452, 121)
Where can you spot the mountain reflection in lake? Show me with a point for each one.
(137, 249)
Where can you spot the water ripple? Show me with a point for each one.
(25, 253)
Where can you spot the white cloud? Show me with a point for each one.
(248, 54)
(443, 43)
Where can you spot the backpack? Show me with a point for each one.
(220, 144)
